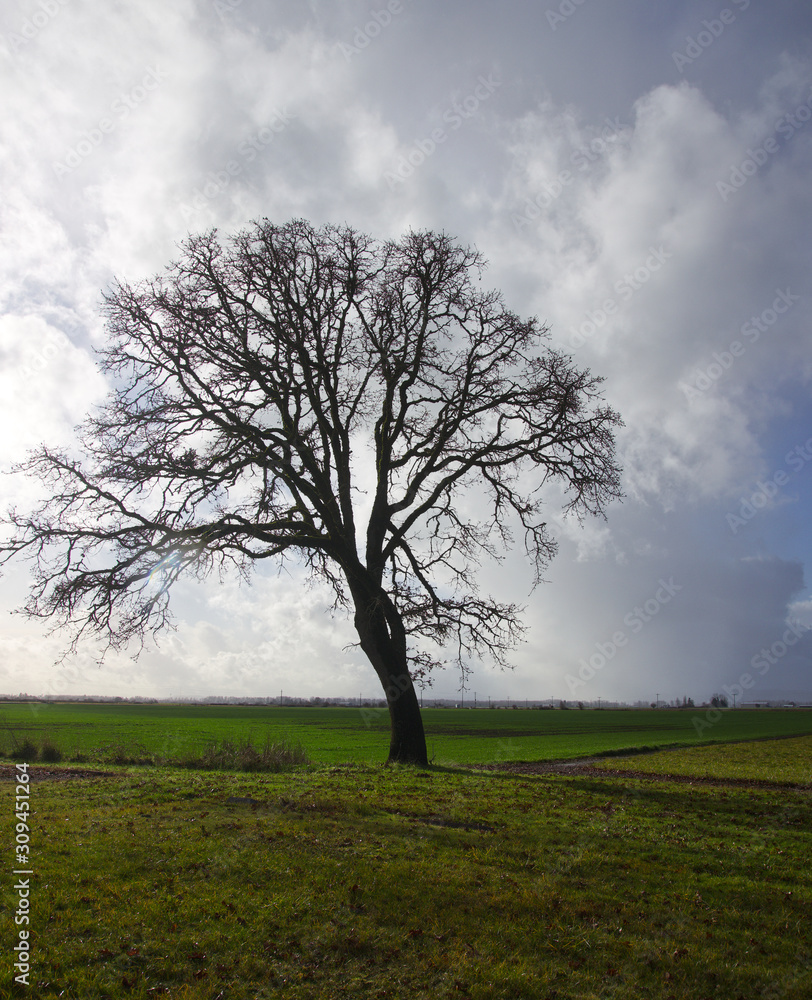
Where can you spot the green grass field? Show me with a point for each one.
(362, 881)
(788, 761)
(338, 735)
(342, 878)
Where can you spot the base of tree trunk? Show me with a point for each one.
(403, 755)
(408, 740)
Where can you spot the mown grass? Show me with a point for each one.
(788, 761)
(362, 881)
(335, 735)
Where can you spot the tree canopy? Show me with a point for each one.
(359, 406)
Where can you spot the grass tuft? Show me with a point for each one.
(230, 755)
(121, 752)
(273, 757)
(50, 753)
(27, 750)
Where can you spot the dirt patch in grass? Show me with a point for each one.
(585, 768)
(10, 773)
(447, 822)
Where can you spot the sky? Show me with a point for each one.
(635, 174)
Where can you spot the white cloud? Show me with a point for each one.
(642, 271)
(608, 224)
(46, 385)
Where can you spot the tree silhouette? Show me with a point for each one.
(257, 385)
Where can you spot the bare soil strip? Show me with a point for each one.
(585, 768)
(36, 773)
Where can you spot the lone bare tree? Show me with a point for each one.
(263, 378)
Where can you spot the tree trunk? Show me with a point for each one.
(383, 639)
(407, 743)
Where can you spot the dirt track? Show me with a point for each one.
(587, 769)
(8, 772)
(571, 768)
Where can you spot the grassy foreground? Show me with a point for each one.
(362, 881)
